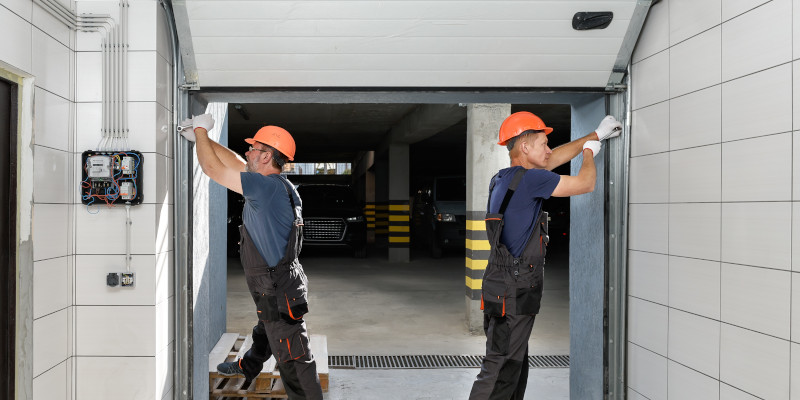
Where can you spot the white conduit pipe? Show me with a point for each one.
(125, 46)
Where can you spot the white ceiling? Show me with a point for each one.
(399, 43)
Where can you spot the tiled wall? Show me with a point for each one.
(91, 341)
(714, 261)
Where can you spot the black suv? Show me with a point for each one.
(439, 214)
(332, 217)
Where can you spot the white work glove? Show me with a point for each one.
(609, 127)
(205, 121)
(593, 145)
(187, 131)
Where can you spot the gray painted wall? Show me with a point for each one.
(586, 265)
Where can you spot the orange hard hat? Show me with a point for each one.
(519, 122)
(276, 137)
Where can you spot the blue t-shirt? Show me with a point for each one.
(519, 219)
(267, 213)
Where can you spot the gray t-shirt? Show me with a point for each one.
(267, 213)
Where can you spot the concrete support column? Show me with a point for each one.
(381, 200)
(398, 207)
(484, 159)
(369, 206)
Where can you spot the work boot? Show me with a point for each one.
(234, 368)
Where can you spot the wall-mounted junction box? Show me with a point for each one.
(111, 177)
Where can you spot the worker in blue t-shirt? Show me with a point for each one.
(271, 237)
(517, 231)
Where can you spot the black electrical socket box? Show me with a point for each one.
(111, 177)
(112, 279)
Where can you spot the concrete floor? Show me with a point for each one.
(373, 307)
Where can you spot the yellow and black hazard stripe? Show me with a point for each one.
(399, 217)
(477, 252)
(369, 214)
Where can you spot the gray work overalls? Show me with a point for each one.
(280, 294)
(510, 299)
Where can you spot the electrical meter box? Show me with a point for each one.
(111, 177)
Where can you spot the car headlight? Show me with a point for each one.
(445, 217)
(359, 218)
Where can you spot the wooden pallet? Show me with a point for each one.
(268, 384)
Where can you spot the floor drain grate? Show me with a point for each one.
(433, 361)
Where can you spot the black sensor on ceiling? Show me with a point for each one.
(583, 21)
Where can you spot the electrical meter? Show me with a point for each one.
(111, 177)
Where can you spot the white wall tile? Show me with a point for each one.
(754, 362)
(796, 236)
(648, 276)
(694, 286)
(695, 119)
(23, 8)
(90, 280)
(142, 68)
(694, 230)
(647, 325)
(52, 286)
(52, 385)
(165, 268)
(142, 29)
(766, 94)
(757, 40)
(652, 129)
(757, 298)
(89, 77)
(648, 227)
(52, 181)
(795, 31)
(93, 230)
(51, 64)
(728, 392)
(163, 82)
(649, 179)
(52, 120)
(142, 122)
(652, 80)
(647, 373)
(164, 327)
(694, 342)
(633, 395)
(16, 34)
(694, 174)
(695, 63)
(162, 179)
(733, 8)
(688, 18)
(51, 26)
(687, 384)
(163, 228)
(115, 331)
(758, 169)
(796, 307)
(795, 372)
(757, 234)
(50, 341)
(655, 33)
(796, 163)
(89, 126)
(51, 230)
(135, 374)
(165, 367)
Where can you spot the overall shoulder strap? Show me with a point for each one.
(512, 187)
(289, 192)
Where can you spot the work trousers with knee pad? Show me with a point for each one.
(504, 371)
(280, 294)
(511, 294)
